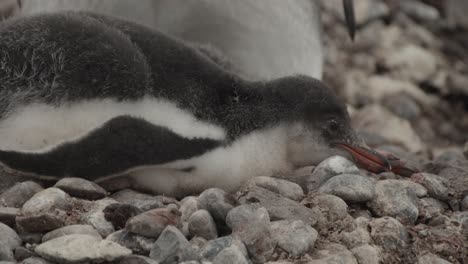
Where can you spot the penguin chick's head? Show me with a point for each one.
(317, 121)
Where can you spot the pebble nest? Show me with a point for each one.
(406, 91)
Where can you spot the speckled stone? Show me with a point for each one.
(397, 198)
(202, 224)
(279, 207)
(119, 213)
(96, 217)
(81, 188)
(251, 223)
(71, 229)
(217, 202)
(171, 247)
(329, 168)
(349, 187)
(138, 244)
(285, 188)
(8, 215)
(293, 236)
(153, 222)
(45, 211)
(19, 193)
(213, 247)
(389, 233)
(81, 248)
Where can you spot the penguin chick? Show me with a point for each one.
(90, 96)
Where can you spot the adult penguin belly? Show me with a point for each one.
(263, 39)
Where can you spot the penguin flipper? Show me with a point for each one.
(120, 144)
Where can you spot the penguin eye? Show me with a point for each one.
(235, 98)
(332, 125)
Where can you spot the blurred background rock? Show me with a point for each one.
(405, 75)
(9, 8)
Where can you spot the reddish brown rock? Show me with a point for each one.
(153, 222)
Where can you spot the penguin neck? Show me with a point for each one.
(256, 109)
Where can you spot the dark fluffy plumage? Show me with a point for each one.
(64, 58)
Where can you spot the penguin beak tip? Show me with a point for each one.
(378, 161)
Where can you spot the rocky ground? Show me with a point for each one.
(404, 80)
